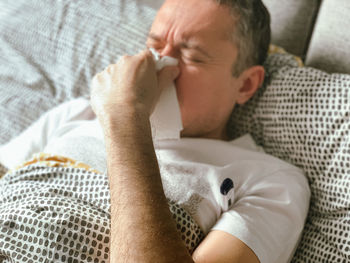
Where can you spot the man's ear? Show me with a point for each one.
(251, 79)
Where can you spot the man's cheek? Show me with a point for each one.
(187, 85)
(190, 76)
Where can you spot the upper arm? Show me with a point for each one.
(219, 246)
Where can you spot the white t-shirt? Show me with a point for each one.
(229, 186)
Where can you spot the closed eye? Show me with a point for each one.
(195, 60)
(192, 59)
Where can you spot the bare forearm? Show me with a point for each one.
(142, 229)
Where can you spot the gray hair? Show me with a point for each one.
(252, 32)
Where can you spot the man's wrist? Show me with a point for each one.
(123, 116)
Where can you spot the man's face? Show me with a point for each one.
(197, 32)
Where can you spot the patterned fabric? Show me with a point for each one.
(302, 116)
(50, 212)
(51, 51)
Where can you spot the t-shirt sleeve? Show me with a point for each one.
(268, 214)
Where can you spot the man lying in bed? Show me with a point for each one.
(250, 206)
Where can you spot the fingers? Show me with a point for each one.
(131, 81)
(166, 75)
(110, 68)
(142, 55)
(146, 55)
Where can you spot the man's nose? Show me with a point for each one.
(169, 51)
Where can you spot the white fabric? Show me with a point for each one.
(36, 136)
(270, 197)
(266, 208)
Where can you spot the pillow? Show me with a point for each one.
(302, 115)
(50, 51)
(329, 44)
(292, 22)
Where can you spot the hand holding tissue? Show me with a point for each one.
(127, 82)
(166, 119)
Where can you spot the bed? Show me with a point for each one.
(50, 50)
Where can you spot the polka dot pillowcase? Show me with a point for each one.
(302, 115)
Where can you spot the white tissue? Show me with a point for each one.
(166, 119)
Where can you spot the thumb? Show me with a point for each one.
(167, 75)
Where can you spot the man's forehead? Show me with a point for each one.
(184, 16)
